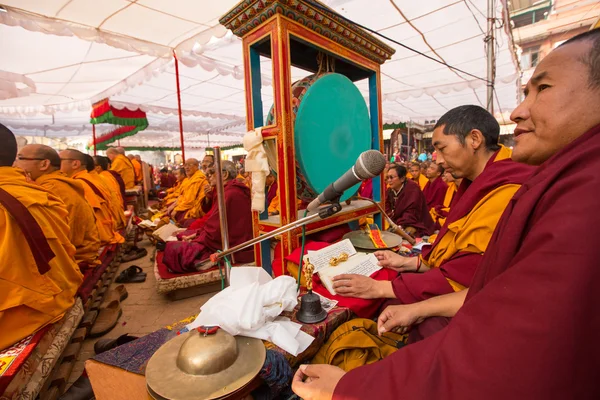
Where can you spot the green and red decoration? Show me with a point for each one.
(129, 122)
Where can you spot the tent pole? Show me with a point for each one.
(179, 104)
(489, 40)
(94, 137)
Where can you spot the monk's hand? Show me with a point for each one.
(316, 382)
(410, 230)
(399, 318)
(188, 238)
(389, 259)
(354, 285)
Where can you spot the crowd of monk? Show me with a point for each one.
(500, 305)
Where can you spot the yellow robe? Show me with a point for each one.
(113, 198)
(112, 183)
(452, 188)
(123, 166)
(137, 169)
(473, 232)
(173, 193)
(81, 219)
(192, 193)
(422, 181)
(104, 221)
(29, 300)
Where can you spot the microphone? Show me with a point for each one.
(369, 164)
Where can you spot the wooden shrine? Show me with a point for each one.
(301, 33)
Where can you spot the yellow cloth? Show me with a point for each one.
(192, 193)
(114, 186)
(28, 300)
(452, 189)
(123, 166)
(80, 218)
(137, 169)
(104, 221)
(274, 204)
(473, 232)
(113, 198)
(422, 181)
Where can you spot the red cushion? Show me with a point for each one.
(294, 256)
(164, 273)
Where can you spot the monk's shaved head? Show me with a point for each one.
(121, 150)
(230, 168)
(72, 161)
(8, 149)
(131, 156)
(191, 166)
(89, 162)
(102, 162)
(37, 160)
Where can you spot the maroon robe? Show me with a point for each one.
(272, 192)
(181, 257)
(121, 183)
(529, 326)
(409, 209)
(411, 287)
(435, 192)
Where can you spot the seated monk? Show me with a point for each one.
(405, 203)
(175, 191)
(113, 198)
(435, 190)
(121, 164)
(416, 175)
(38, 274)
(42, 163)
(112, 179)
(74, 165)
(184, 257)
(188, 207)
(528, 327)
(208, 162)
(440, 213)
(137, 168)
(466, 139)
(208, 203)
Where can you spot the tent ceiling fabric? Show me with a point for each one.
(76, 52)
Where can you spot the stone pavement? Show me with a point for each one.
(144, 311)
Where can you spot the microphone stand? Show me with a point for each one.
(323, 213)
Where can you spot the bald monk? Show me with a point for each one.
(435, 189)
(416, 175)
(74, 165)
(183, 257)
(122, 165)
(466, 139)
(405, 203)
(528, 327)
(38, 274)
(113, 197)
(42, 163)
(112, 179)
(188, 205)
(137, 168)
(440, 213)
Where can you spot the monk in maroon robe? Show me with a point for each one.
(405, 203)
(435, 189)
(183, 257)
(529, 326)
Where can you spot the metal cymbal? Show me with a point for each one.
(362, 240)
(194, 366)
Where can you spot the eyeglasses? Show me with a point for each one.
(68, 159)
(390, 178)
(21, 158)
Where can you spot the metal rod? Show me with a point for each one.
(179, 105)
(94, 137)
(489, 40)
(221, 205)
(278, 231)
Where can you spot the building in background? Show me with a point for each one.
(540, 26)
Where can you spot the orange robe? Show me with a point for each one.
(123, 166)
(439, 214)
(422, 181)
(112, 183)
(112, 197)
(174, 192)
(137, 169)
(81, 220)
(104, 221)
(192, 193)
(31, 298)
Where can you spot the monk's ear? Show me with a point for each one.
(44, 165)
(475, 139)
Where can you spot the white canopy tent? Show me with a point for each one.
(75, 52)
